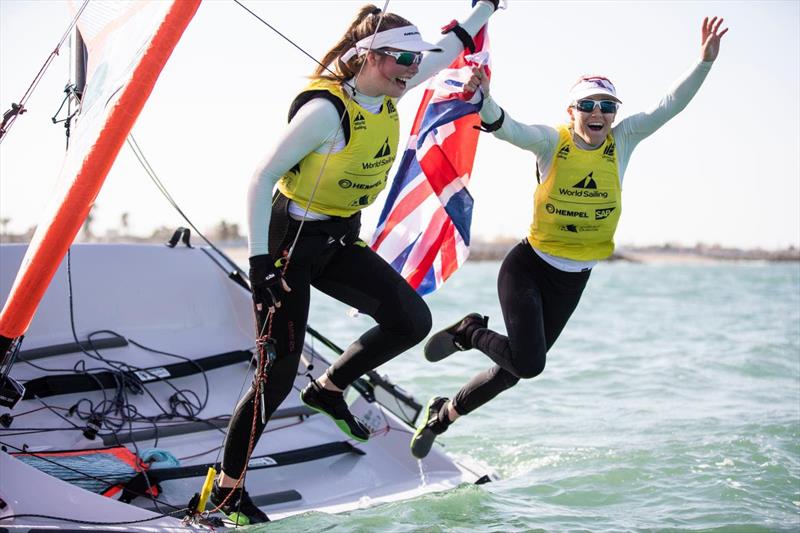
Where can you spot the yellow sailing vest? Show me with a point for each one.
(577, 208)
(352, 178)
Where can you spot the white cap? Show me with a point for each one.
(588, 86)
(405, 38)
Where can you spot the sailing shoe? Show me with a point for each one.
(454, 338)
(332, 404)
(434, 423)
(239, 508)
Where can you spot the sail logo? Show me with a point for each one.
(586, 188)
(600, 214)
(382, 157)
(563, 152)
(385, 151)
(608, 153)
(586, 183)
(359, 123)
(390, 107)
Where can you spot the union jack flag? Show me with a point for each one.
(424, 228)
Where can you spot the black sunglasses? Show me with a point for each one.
(587, 106)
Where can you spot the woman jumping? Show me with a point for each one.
(577, 205)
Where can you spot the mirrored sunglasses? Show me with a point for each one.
(405, 59)
(587, 106)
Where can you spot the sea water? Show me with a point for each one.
(671, 402)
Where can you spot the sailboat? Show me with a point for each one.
(121, 363)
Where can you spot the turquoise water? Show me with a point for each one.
(671, 402)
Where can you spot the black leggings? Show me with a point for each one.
(351, 272)
(537, 301)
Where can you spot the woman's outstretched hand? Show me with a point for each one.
(711, 37)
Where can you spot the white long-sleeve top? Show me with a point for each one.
(315, 127)
(628, 133)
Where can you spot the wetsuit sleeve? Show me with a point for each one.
(536, 138)
(450, 44)
(310, 128)
(634, 128)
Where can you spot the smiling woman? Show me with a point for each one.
(577, 205)
(331, 161)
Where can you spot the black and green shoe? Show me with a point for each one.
(239, 508)
(433, 424)
(332, 404)
(454, 338)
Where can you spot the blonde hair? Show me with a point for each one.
(364, 25)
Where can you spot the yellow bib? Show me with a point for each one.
(352, 178)
(577, 208)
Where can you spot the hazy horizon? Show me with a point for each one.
(709, 176)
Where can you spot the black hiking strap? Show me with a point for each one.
(139, 484)
(71, 383)
(72, 347)
(185, 428)
(260, 500)
(181, 234)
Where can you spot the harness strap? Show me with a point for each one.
(306, 96)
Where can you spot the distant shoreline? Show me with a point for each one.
(496, 250)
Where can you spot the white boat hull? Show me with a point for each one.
(179, 301)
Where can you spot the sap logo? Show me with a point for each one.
(563, 152)
(586, 183)
(600, 214)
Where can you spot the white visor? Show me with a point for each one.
(593, 86)
(406, 38)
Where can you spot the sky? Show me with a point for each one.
(725, 171)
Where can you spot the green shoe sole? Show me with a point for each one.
(422, 440)
(341, 424)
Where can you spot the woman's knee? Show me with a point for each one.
(420, 322)
(530, 368)
(412, 319)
